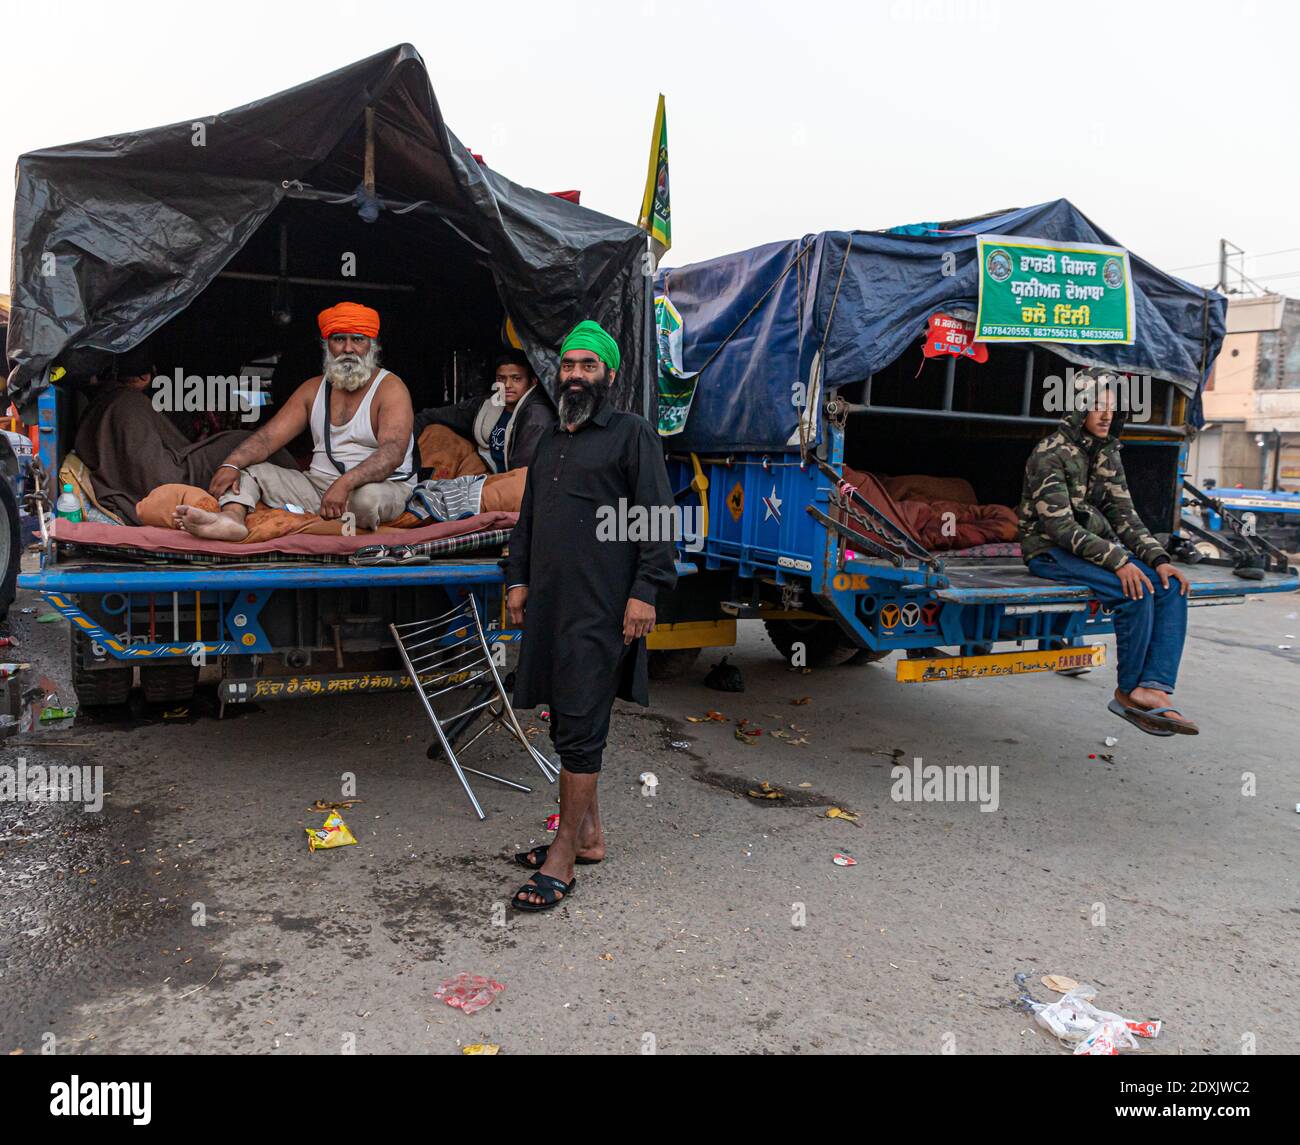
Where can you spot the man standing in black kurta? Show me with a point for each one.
(584, 594)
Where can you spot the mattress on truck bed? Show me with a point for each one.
(152, 545)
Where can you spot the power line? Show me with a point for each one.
(1265, 254)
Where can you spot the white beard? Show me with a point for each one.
(350, 371)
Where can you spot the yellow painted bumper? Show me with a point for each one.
(999, 664)
(692, 634)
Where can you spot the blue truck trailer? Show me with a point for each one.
(805, 362)
(790, 368)
(349, 186)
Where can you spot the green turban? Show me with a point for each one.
(592, 336)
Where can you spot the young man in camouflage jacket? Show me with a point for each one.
(1078, 526)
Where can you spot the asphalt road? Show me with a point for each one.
(719, 923)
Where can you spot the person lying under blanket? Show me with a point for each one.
(130, 448)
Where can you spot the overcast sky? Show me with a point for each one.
(1169, 124)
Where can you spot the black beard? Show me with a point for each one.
(577, 408)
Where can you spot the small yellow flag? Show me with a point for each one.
(656, 215)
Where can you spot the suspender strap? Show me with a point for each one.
(337, 463)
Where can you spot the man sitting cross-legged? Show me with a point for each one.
(362, 459)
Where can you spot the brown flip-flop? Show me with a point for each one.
(1153, 721)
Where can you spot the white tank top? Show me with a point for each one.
(352, 443)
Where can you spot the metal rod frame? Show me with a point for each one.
(461, 615)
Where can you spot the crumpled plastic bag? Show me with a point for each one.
(468, 992)
(724, 677)
(1093, 1032)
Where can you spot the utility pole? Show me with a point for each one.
(1226, 250)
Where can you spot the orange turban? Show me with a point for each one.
(349, 318)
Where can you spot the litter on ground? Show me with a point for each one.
(468, 992)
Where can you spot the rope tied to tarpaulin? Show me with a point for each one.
(814, 381)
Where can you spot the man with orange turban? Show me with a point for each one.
(360, 418)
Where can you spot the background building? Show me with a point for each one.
(1252, 400)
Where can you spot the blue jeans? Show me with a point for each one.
(1149, 633)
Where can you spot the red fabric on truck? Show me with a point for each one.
(176, 541)
(939, 525)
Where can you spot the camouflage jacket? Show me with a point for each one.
(1076, 498)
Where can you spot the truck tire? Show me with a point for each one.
(866, 656)
(169, 683)
(97, 687)
(669, 663)
(11, 551)
(825, 646)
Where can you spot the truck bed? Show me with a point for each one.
(1009, 582)
(94, 577)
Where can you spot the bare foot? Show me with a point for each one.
(1145, 699)
(210, 526)
(592, 848)
(528, 894)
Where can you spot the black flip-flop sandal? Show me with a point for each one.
(550, 888)
(1160, 720)
(1134, 716)
(521, 857)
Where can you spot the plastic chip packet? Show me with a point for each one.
(1093, 1032)
(332, 833)
(468, 992)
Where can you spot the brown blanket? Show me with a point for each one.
(923, 487)
(937, 524)
(157, 510)
(502, 493)
(131, 449)
(448, 454)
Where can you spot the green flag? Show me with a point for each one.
(656, 218)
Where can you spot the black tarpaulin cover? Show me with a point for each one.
(115, 236)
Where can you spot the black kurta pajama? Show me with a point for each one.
(573, 656)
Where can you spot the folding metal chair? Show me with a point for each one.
(450, 654)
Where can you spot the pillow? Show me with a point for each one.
(503, 491)
(448, 454)
(920, 487)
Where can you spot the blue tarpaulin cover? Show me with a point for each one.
(754, 320)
